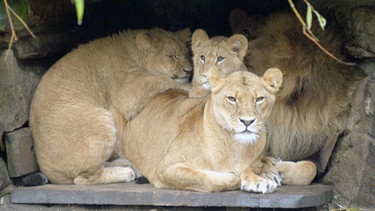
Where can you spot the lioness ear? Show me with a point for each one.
(238, 43)
(199, 36)
(184, 34)
(144, 41)
(273, 78)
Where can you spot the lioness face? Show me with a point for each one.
(243, 101)
(226, 54)
(167, 54)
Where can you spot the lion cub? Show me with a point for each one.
(71, 114)
(223, 53)
(207, 144)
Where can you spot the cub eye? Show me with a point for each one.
(231, 99)
(219, 59)
(259, 99)
(202, 58)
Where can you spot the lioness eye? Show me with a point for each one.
(219, 59)
(202, 58)
(259, 99)
(231, 99)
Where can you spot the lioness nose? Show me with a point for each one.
(247, 122)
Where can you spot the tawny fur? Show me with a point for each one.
(223, 53)
(192, 144)
(312, 106)
(71, 115)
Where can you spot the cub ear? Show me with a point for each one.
(238, 44)
(273, 78)
(184, 34)
(199, 36)
(144, 41)
(236, 18)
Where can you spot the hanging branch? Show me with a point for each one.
(306, 28)
(13, 37)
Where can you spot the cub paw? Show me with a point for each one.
(260, 185)
(127, 173)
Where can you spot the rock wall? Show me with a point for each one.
(17, 86)
(352, 167)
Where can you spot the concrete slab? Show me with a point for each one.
(147, 195)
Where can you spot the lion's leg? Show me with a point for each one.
(99, 135)
(184, 177)
(106, 175)
(262, 178)
(296, 173)
(117, 158)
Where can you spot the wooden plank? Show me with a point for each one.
(148, 195)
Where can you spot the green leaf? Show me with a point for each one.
(309, 17)
(80, 9)
(321, 19)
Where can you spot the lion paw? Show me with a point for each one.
(128, 174)
(262, 185)
(273, 175)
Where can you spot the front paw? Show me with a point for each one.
(273, 175)
(270, 171)
(259, 185)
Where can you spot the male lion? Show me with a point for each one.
(207, 144)
(225, 54)
(312, 106)
(71, 113)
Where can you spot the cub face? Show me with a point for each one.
(167, 54)
(225, 54)
(243, 101)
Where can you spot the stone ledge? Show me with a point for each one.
(147, 194)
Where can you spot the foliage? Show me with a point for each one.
(306, 28)
(19, 7)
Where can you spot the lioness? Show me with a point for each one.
(312, 106)
(207, 144)
(223, 53)
(71, 113)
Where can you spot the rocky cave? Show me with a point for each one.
(351, 169)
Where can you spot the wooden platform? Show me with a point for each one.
(148, 195)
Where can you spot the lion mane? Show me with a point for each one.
(312, 106)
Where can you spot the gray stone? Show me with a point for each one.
(20, 153)
(16, 91)
(147, 194)
(361, 23)
(352, 168)
(368, 66)
(6, 185)
(52, 44)
(357, 19)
